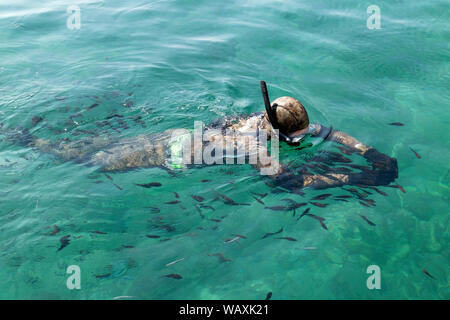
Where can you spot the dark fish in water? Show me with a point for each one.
(367, 220)
(215, 220)
(227, 200)
(261, 195)
(343, 197)
(173, 276)
(36, 119)
(98, 232)
(378, 190)
(270, 185)
(118, 187)
(244, 204)
(114, 116)
(398, 187)
(416, 154)
(323, 225)
(364, 204)
(399, 124)
(260, 201)
(339, 199)
(109, 177)
(197, 198)
(149, 185)
(92, 106)
(221, 257)
(176, 195)
(315, 217)
(64, 242)
(294, 205)
(152, 236)
(103, 276)
(428, 274)
(268, 296)
(322, 196)
(318, 204)
(277, 208)
(269, 234)
(53, 232)
(304, 212)
(205, 180)
(287, 238)
(172, 202)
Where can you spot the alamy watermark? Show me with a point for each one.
(74, 280)
(374, 20)
(74, 20)
(374, 280)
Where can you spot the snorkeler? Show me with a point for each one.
(285, 119)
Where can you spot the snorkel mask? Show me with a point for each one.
(272, 114)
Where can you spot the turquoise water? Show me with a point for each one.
(173, 62)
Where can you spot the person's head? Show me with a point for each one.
(291, 116)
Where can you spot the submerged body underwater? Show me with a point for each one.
(86, 179)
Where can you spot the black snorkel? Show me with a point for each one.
(272, 113)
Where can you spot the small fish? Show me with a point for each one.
(92, 106)
(277, 208)
(416, 154)
(176, 195)
(114, 116)
(172, 202)
(98, 232)
(399, 124)
(239, 236)
(215, 220)
(222, 258)
(268, 296)
(269, 234)
(64, 242)
(339, 199)
(173, 262)
(226, 199)
(152, 236)
(103, 276)
(367, 220)
(231, 240)
(205, 180)
(304, 212)
(428, 274)
(287, 238)
(315, 217)
(318, 204)
(322, 196)
(260, 201)
(149, 185)
(364, 204)
(261, 195)
(118, 187)
(397, 186)
(197, 198)
(173, 276)
(109, 177)
(54, 231)
(323, 225)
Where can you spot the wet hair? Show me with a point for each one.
(291, 114)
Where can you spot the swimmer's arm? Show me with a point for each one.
(384, 168)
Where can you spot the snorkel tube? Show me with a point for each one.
(272, 112)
